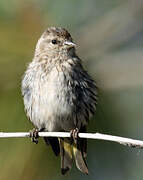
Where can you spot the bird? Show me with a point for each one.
(60, 95)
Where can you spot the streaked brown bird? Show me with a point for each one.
(59, 95)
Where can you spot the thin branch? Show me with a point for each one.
(121, 140)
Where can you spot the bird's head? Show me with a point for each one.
(54, 41)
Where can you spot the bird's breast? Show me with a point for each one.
(52, 100)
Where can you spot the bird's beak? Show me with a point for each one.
(70, 44)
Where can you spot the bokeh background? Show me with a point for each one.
(109, 35)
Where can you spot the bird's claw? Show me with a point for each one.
(74, 134)
(34, 135)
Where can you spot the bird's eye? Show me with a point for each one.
(54, 41)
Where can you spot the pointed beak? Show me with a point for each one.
(70, 44)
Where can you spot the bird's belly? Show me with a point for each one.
(56, 114)
(53, 113)
(52, 106)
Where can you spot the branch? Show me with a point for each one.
(121, 140)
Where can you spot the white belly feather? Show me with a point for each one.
(50, 104)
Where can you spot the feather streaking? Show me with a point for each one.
(59, 95)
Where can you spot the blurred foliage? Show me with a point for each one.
(110, 39)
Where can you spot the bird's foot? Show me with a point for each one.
(34, 135)
(74, 134)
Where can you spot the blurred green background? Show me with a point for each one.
(109, 35)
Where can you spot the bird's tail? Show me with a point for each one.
(70, 150)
